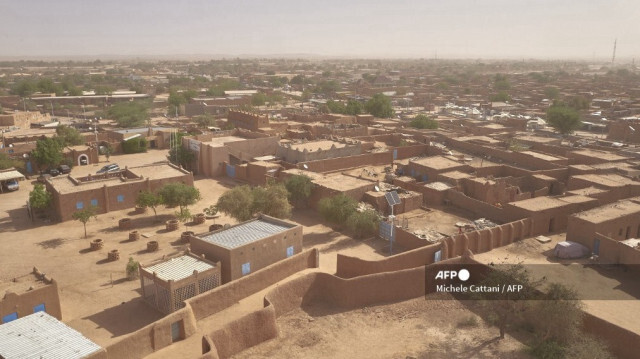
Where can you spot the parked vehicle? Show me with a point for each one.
(54, 172)
(44, 177)
(64, 169)
(11, 185)
(109, 169)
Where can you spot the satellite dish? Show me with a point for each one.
(377, 188)
(304, 165)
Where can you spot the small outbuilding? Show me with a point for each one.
(568, 249)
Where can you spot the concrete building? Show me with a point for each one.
(249, 246)
(40, 335)
(111, 191)
(166, 285)
(31, 293)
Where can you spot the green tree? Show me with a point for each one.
(299, 188)
(579, 103)
(148, 199)
(129, 114)
(24, 88)
(271, 200)
(69, 136)
(205, 121)
(336, 106)
(501, 83)
(179, 195)
(423, 122)
(354, 107)
(39, 197)
(6, 162)
(48, 152)
(379, 106)
(564, 119)
(237, 203)
(258, 99)
(501, 96)
(551, 93)
(84, 215)
(505, 308)
(363, 224)
(337, 209)
(135, 145)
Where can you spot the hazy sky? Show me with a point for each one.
(401, 28)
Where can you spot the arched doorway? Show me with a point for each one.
(83, 160)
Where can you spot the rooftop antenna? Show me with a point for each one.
(613, 59)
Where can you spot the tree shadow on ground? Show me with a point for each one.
(51, 243)
(125, 318)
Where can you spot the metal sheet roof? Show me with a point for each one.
(178, 268)
(244, 233)
(41, 336)
(9, 175)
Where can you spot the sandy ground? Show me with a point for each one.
(608, 291)
(95, 296)
(417, 328)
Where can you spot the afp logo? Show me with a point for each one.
(462, 274)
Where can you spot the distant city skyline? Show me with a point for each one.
(544, 29)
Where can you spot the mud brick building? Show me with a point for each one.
(111, 191)
(31, 293)
(249, 246)
(166, 285)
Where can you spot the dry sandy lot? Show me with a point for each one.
(610, 292)
(416, 328)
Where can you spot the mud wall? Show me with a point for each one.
(224, 296)
(477, 241)
(153, 337)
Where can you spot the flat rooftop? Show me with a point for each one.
(610, 211)
(245, 233)
(220, 141)
(315, 145)
(543, 156)
(608, 180)
(341, 182)
(607, 156)
(437, 162)
(178, 268)
(40, 335)
(65, 184)
(539, 203)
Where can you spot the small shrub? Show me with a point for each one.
(132, 269)
(468, 322)
(548, 349)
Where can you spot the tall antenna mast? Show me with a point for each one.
(613, 59)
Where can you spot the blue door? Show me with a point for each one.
(596, 247)
(231, 171)
(289, 251)
(29, 167)
(38, 308)
(437, 256)
(246, 268)
(9, 317)
(395, 153)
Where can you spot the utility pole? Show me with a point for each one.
(613, 59)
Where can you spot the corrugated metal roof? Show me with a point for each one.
(244, 233)
(8, 175)
(41, 336)
(178, 268)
